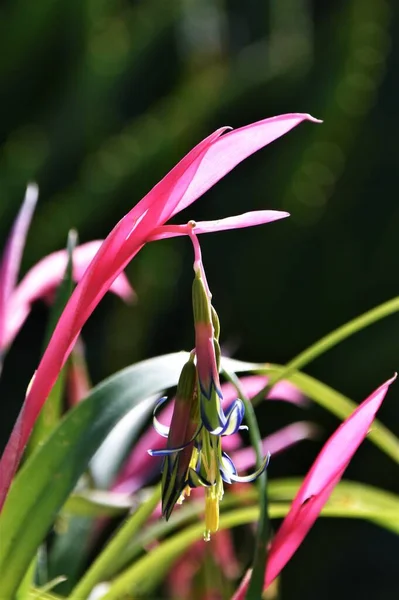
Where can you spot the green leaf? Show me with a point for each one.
(65, 556)
(98, 503)
(349, 500)
(51, 473)
(350, 495)
(51, 412)
(111, 553)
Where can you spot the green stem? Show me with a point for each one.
(98, 570)
(263, 530)
(329, 341)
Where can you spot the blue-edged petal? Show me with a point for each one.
(227, 468)
(234, 417)
(212, 415)
(207, 392)
(248, 478)
(163, 430)
(169, 451)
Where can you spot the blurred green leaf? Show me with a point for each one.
(354, 502)
(105, 562)
(65, 556)
(98, 503)
(333, 401)
(341, 406)
(30, 509)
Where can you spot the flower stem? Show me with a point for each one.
(263, 530)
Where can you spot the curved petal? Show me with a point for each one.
(169, 451)
(234, 417)
(159, 427)
(232, 148)
(252, 476)
(227, 468)
(245, 458)
(43, 279)
(249, 219)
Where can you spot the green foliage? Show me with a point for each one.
(30, 510)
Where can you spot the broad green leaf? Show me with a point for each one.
(66, 556)
(98, 503)
(107, 461)
(57, 465)
(27, 582)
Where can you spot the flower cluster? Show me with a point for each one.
(194, 456)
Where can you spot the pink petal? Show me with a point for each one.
(232, 148)
(11, 260)
(290, 435)
(190, 178)
(252, 385)
(319, 483)
(249, 219)
(43, 279)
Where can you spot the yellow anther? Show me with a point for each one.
(211, 514)
(185, 494)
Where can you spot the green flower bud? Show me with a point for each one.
(201, 303)
(215, 323)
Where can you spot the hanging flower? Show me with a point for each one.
(194, 455)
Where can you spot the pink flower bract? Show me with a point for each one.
(43, 279)
(198, 171)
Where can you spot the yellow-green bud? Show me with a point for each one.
(215, 323)
(186, 387)
(201, 303)
(218, 352)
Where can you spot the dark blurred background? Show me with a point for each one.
(99, 99)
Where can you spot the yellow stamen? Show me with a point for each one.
(185, 494)
(211, 515)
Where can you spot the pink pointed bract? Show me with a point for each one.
(43, 279)
(11, 259)
(197, 172)
(318, 485)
